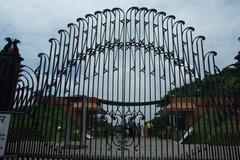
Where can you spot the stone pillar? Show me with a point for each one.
(10, 63)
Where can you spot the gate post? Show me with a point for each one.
(10, 64)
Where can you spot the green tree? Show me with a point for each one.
(231, 74)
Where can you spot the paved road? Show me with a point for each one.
(147, 148)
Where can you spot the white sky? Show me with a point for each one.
(34, 22)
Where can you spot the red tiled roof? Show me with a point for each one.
(181, 106)
(191, 103)
(75, 102)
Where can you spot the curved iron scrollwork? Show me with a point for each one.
(26, 93)
(138, 32)
(127, 131)
(106, 53)
(124, 62)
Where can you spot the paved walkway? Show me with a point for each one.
(147, 148)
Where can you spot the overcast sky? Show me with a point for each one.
(34, 22)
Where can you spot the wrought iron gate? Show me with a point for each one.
(125, 85)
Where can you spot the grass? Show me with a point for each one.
(215, 127)
(43, 123)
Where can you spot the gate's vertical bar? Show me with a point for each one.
(159, 24)
(139, 74)
(129, 56)
(237, 112)
(168, 81)
(109, 53)
(198, 99)
(213, 104)
(123, 86)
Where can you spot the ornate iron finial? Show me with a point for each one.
(11, 46)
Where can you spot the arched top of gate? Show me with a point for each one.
(95, 45)
(100, 30)
(121, 40)
(141, 28)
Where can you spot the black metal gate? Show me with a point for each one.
(125, 85)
